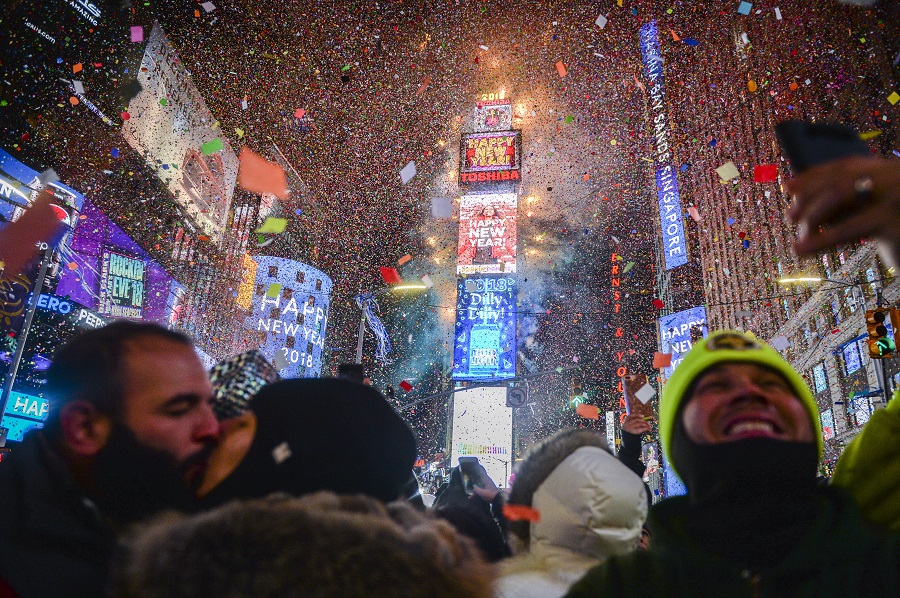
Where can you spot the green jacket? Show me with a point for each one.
(840, 556)
(869, 468)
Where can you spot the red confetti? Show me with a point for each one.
(390, 275)
(521, 513)
(765, 173)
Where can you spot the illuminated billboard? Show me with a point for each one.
(487, 233)
(171, 125)
(493, 115)
(675, 334)
(485, 333)
(482, 427)
(290, 314)
(121, 286)
(83, 260)
(491, 156)
(56, 321)
(245, 289)
(670, 213)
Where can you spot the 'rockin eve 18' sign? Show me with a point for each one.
(121, 286)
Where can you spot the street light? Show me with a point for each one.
(362, 318)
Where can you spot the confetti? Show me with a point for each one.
(211, 147)
(408, 172)
(258, 175)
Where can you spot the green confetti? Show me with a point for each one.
(273, 225)
(211, 147)
(569, 119)
(345, 68)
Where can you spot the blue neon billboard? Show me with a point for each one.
(675, 338)
(485, 333)
(670, 214)
(675, 334)
(290, 304)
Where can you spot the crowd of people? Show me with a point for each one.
(134, 487)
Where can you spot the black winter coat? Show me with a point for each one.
(53, 541)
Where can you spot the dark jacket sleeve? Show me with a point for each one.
(630, 452)
(483, 522)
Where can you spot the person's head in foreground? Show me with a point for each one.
(321, 545)
(581, 505)
(305, 435)
(741, 428)
(736, 417)
(572, 476)
(131, 416)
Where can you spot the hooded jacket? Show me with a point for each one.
(869, 468)
(591, 507)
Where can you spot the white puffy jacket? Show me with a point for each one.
(591, 507)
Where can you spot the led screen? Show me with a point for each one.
(668, 198)
(482, 427)
(485, 332)
(490, 156)
(487, 233)
(121, 286)
(675, 333)
(290, 314)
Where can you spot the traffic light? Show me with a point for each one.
(577, 396)
(880, 345)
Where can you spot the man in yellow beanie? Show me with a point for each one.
(742, 430)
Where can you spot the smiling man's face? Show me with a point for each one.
(733, 401)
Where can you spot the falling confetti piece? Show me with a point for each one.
(258, 175)
(211, 147)
(588, 411)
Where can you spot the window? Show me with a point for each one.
(861, 410)
(318, 284)
(275, 313)
(301, 276)
(273, 271)
(828, 424)
(260, 289)
(287, 293)
(852, 360)
(300, 318)
(289, 342)
(312, 301)
(309, 348)
(819, 377)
